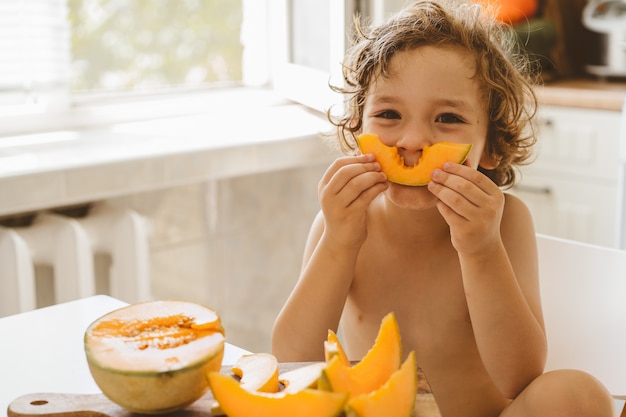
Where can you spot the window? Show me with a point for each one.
(121, 45)
(34, 51)
(59, 59)
(55, 51)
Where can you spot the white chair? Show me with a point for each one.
(583, 290)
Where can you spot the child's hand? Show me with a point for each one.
(345, 192)
(471, 204)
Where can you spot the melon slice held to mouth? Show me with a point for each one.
(433, 157)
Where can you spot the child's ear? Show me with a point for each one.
(488, 162)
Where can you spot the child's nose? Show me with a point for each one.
(414, 140)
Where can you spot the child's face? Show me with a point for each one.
(430, 96)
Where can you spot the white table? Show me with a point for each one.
(42, 350)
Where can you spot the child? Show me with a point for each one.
(455, 260)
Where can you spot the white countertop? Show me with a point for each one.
(55, 169)
(585, 93)
(42, 350)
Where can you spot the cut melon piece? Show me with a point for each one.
(258, 372)
(392, 164)
(238, 402)
(302, 378)
(395, 398)
(378, 364)
(333, 347)
(151, 357)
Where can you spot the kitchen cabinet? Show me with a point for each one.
(572, 187)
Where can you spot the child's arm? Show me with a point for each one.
(316, 303)
(497, 252)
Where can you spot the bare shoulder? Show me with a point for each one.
(315, 234)
(512, 202)
(317, 227)
(517, 221)
(518, 235)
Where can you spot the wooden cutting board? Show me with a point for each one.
(98, 405)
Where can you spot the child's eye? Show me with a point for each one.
(388, 114)
(449, 118)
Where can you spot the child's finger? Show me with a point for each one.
(472, 175)
(344, 161)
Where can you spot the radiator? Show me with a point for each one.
(69, 245)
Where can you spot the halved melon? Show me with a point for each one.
(378, 364)
(433, 157)
(238, 402)
(395, 398)
(154, 357)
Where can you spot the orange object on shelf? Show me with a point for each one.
(512, 11)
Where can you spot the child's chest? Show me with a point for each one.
(427, 274)
(423, 287)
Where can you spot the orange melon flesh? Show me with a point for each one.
(373, 370)
(235, 401)
(256, 372)
(395, 398)
(332, 347)
(130, 351)
(392, 164)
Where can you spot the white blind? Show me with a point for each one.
(35, 56)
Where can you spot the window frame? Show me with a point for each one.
(310, 86)
(306, 85)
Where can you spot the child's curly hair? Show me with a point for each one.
(504, 71)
